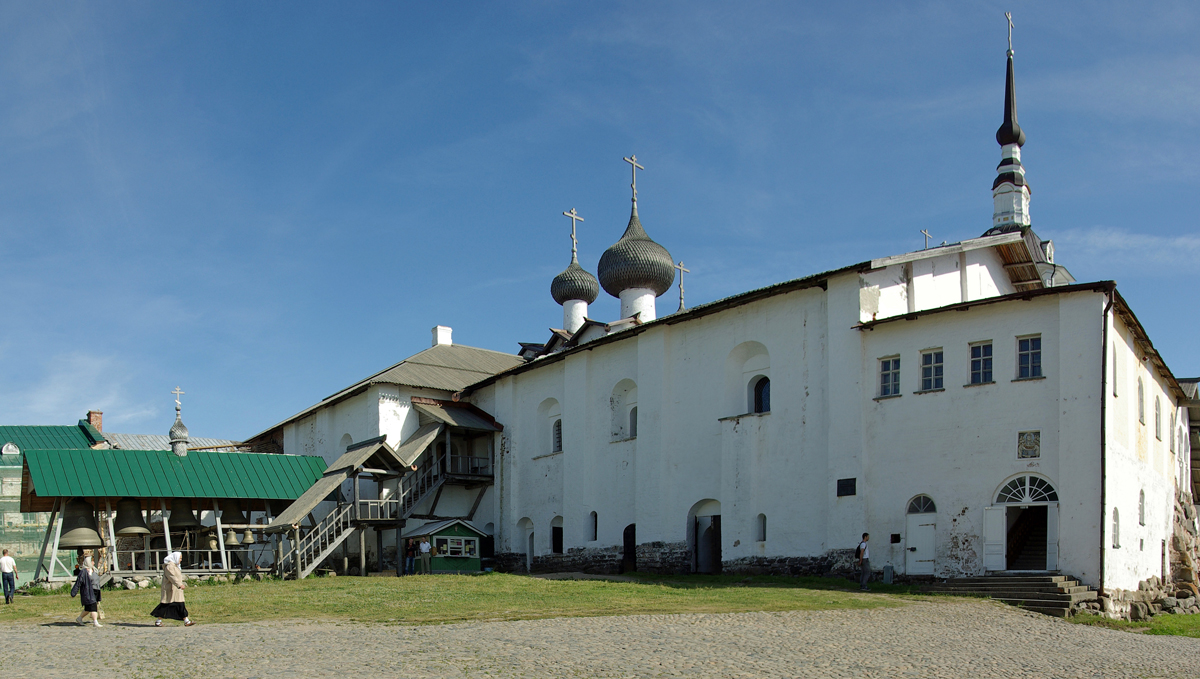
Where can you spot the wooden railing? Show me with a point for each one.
(310, 549)
(465, 464)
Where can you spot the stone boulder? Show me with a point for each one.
(1139, 611)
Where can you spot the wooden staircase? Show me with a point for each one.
(1049, 594)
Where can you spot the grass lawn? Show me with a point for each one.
(457, 598)
(1175, 625)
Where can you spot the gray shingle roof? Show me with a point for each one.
(160, 442)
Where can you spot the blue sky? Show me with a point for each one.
(265, 202)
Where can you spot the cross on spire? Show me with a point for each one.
(632, 160)
(574, 242)
(178, 392)
(1008, 15)
(681, 272)
(927, 237)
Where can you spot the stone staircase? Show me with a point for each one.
(1054, 595)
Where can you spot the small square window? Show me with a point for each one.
(981, 363)
(895, 538)
(1029, 445)
(847, 487)
(1029, 357)
(889, 376)
(931, 370)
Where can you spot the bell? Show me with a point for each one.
(213, 545)
(129, 519)
(231, 538)
(248, 537)
(79, 527)
(182, 515)
(231, 513)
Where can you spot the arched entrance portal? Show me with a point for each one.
(704, 536)
(1021, 527)
(629, 549)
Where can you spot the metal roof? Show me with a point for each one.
(416, 444)
(446, 367)
(162, 474)
(462, 415)
(438, 526)
(162, 442)
(50, 437)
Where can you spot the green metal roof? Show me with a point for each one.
(162, 474)
(52, 437)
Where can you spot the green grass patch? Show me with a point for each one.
(459, 598)
(1174, 625)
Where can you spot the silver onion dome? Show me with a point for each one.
(574, 283)
(179, 432)
(635, 261)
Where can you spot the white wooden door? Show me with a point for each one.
(995, 538)
(919, 544)
(1052, 537)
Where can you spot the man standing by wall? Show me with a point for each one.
(8, 571)
(426, 558)
(864, 561)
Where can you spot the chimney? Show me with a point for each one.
(96, 419)
(441, 335)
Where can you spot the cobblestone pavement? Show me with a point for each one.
(953, 638)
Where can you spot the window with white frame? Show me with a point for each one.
(1157, 418)
(456, 547)
(1141, 402)
(981, 363)
(889, 376)
(931, 370)
(1029, 356)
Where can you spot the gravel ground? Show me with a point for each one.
(953, 638)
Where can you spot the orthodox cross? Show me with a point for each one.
(632, 160)
(1008, 15)
(178, 392)
(681, 272)
(927, 237)
(574, 243)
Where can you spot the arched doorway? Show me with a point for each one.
(919, 540)
(629, 549)
(525, 527)
(704, 536)
(1021, 526)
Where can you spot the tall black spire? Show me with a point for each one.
(1010, 132)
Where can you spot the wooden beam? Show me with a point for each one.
(436, 496)
(46, 540)
(478, 499)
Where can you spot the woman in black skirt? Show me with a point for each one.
(170, 604)
(89, 592)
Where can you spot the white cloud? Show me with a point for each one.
(1109, 249)
(70, 385)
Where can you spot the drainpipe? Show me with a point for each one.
(1104, 432)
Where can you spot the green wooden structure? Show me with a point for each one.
(456, 545)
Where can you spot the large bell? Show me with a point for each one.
(79, 527)
(182, 515)
(231, 539)
(248, 537)
(129, 519)
(231, 513)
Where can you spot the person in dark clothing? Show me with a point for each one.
(88, 589)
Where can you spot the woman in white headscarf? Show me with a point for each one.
(88, 589)
(170, 604)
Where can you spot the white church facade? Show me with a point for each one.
(971, 406)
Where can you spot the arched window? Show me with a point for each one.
(1025, 490)
(633, 422)
(593, 524)
(1141, 402)
(623, 404)
(1141, 507)
(921, 504)
(762, 395)
(1157, 418)
(1171, 431)
(556, 444)
(762, 528)
(1116, 529)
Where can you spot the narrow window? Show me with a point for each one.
(556, 539)
(762, 527)
(931, 370)
(633, 422)
(762, 395)
(1141, 507)
(1029, 357)
(557, 443)
(1172, 431)
(889, 376)
(981, 363)
(847, 487)
(592, 525)
(1157, 418)
(1141, 402)
(1116, 368)
(1116, 529)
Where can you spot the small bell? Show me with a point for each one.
(248, 537)
(231, 538)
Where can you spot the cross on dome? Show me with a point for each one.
(681, 272)
(632, 160)
(574, 242)
(178, 392)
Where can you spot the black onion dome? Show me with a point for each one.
(1010, 132)
(635, 261)
(574, 283)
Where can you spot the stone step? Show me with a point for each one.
(1009, 578)
(1073, 597)
(1055, 612)
(1048, 586)
(1082, 593)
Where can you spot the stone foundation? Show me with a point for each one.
(674, 558)
(833, 562)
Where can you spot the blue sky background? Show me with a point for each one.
(265, 202)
